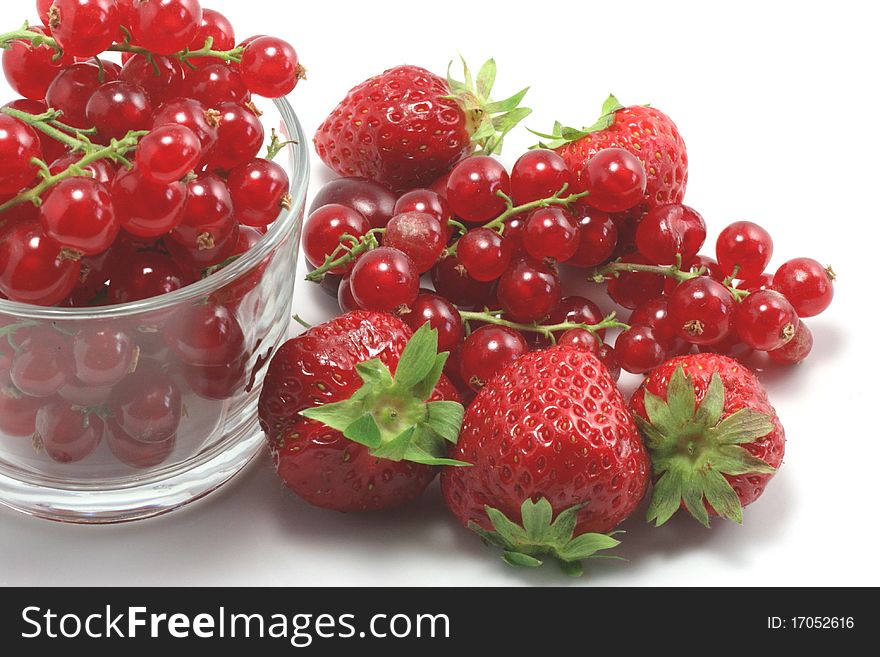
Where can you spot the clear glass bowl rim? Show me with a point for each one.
(298, 155)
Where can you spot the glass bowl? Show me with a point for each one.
(170, 428)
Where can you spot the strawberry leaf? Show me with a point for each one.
(720, 494)
(444, 418)
(666, 498)
(563, 135)
(365, 431)
(425, 388)
(744, 426)
(486, 78)
(339, 415)
(521, 560)
(417, 359)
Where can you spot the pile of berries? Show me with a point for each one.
(123, 181)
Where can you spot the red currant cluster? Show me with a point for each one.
(494, 244)
(120, 183)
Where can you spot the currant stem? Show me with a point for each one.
(513, 210)
(669, 271)
(276, 145)
(547, 330)
(349, 249)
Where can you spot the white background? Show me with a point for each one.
(778, 104)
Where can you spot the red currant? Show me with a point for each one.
(147, 405)
(102, 356)
(217, 27)
(667, 231)
(484, 253)
(165, 26)
(73, 87)
(608, 358)
(551, 232)
(30, 69)
(452, 281)
(168, 153)
(142, 276)
(487, 351)
(473, 186)
(427, 201)
(18, 413)
(324, 229)
(78, 214)
(597, 238)
(217, 382)
(117, 107)
(743, 250)
(205, 335)
(260, 191)
(418, 235)
(84, 28)
(216, 83)
(384, 279)
(51, 149)
(529, 291)
(32, 267)
(344, 297)
(762, 282)
(270, 67)
(573, 310)
(538, 174)
(19, 144)
(765, 320)
(43, 363)
(208, 231)
(441, 315)
(654, 313)
(796, 349)
(630, 289)
(161, 78)
(137, 453)
(806, 284)
(374, 201)
(67, 433)
(616, 180)
(702, 310)
(102, 171)
(239, 137)
(193, 115)
(638, 350)
(581, 339)
(145, 208)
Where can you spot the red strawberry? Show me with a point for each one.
(407, 127)
(714, 438)
(549, 435)
(343, 433)
(645, 132)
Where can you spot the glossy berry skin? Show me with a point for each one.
(608, 357)
(168, 153)
(630, 289)
(702, 310)
(514, 232)
(44, 363)
(270, 67)
(73, 87)
(145, 208)
(765, 320)
(193, 115)
(597, 238)
(135, 453)
(552, 425)
(796, 349)
(216, 26)
(32, 269)
(325, 227)
(807, 284)
(239, 137)
(581, 339)
(374, 201)
(654, 313)
(78, 214)
(117, 107)
(638, 350)
(143, 276)
(19, 144)
(85, 28)
(452, 281)
(487, 351)
(51, 149)
(427, 201)
(102, 356)
(440, 314)
(473, 186)
(762, 282)
(165, 26)
(616, 180)
(384, 279)
(529, 291)
(744, 247)
(30, 69)
(538, 174)
(320, 464)
(67, 433)
(418, 235)
(147, 405)
(484, 253)
(215, 83)
(18, 412)
(260, 191)
(670, 230)
(411, 135)
(574, 310)
(208, 231)
(161, 79)
(551, 232)
(344, 298)
(206, 335)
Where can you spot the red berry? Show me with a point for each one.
(384, 279)
(19, 144)
(473, 186)
(538, 174)
(193, 115)
(216, 26)
(551, 232)
(418, 235)
(30, 69)
(441, 315)
(168, 153)
(573, 310)
(762, 282)
(18, 412)
(743, 250)
(452, 281)
(484, 253)
(529, 291)
(667, 231)
(630, 289)
(343, 296)
(806, 284)
(117, 107)
(376, 202)
(616, 180)
(78, 214)
(582, 339)
(239, 137)
(216, 83)
(147, 405)
(145, 208)
(43, 364)
(765, 320)
(136, 453)
(702, 310)
(67, 433)
(487, 351)
(161, 78)
(73, 87)
(427, 201)
(608, 358)
(654, 313)
(102, 356)
(165, 26)
(260, 191)
(324, 229)
(32, 267)
(597, 238)
(218, 382)
(270, 67)
(514, 233)
(51, 149)
(638, 350)
(208, 231)
(84, 28)
(796, 349)
(143, 275)
(205, 335)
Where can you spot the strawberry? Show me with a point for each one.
(549, 435)
(714, 438)
(407, 127)
(345, 433)
(645, 132)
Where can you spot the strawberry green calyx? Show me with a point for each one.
(692, 448)
(392, 415)
(540, 535)
(489, 121)
(562, 135)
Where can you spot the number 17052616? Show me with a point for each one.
(811, 623)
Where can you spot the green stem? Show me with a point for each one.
(276, 145)
(513, 210)
(669, 271)
(547, 330)
(349, 249)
